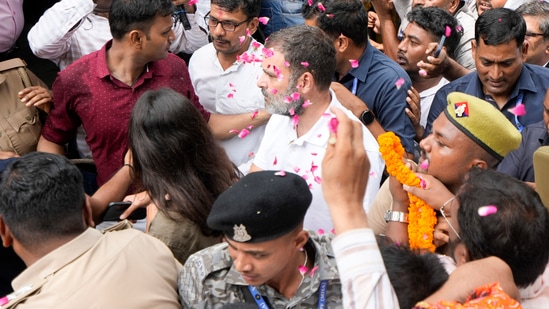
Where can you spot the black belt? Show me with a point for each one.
(9, 54)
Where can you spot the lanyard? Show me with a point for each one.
(519, 101)
(355, 85)
(263, 305)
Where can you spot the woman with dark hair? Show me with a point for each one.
(178, 162)
(174, 158)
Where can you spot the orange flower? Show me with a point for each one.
(421, 216)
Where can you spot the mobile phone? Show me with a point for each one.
(115, 209)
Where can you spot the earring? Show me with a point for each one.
(301, 249)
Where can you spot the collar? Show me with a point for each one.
(361, 72)
(524, 83)
(102, 69)
(433, 90)
(544, 138)
(57, 259)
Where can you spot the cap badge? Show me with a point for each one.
(240, 233)
(462, 109)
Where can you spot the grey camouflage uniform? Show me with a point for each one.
(209, 280)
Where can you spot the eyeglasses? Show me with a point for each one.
(445, 218)
(533, 34)
(226, 25)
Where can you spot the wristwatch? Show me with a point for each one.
(367, 117)
(396, 216)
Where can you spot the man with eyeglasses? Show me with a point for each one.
(224, 74)
(502, 78)
(536, 16)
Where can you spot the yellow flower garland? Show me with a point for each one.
(421, 216)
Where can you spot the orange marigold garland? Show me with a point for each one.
(421, 216)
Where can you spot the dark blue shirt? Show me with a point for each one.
(377, 75)
(520, 163)
(533, 82)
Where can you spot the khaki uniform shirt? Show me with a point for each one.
(209, 280)
(121, 269)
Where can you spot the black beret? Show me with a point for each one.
(261, 206)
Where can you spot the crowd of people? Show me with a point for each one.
(254, 133)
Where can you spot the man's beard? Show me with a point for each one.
(277, 103)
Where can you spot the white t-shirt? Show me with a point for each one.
(281, 149)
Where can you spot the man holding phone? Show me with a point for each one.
(44, 216)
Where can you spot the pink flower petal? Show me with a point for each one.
(232, 85)
(263, 20)
(372, 174)
(306, 103)
(487, 210)
(333, 231)
(329, 15)
(254, 114)
(313, 167)
(233, 131)
(354, 63)
(248, 33)
(243, 133)
(275, 161)
(291, 111)
(296, 169)
(422, 183)
(286, 63)
(518, 110)
(399, 83)
(305, 64)
(318, 180)
(287, 99)
(295, 96)
(319, 135)
(274, 91)
(241, 39)
(313, 270)
(250, 127)
(320, 232)
(321, 7)
(251, 154)
(267, 52)
(332, 125)
(256, 45)
(422, 72)
(230, 95)
(424, 165)
(310, 2)
(303, 269)
(295, 120)
(448, 31)
(305, 176)
(310, 186)
(326, 115)
(280, 173)
(193, 2)
(314, 154)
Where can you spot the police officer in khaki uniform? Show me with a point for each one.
(44, 217)
(267, 258)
